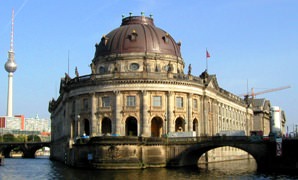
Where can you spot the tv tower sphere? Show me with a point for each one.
(10, 65)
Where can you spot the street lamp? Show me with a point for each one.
(78, 124)
(166, 124)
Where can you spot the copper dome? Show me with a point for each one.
(137, 34)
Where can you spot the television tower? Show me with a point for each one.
(10, 67)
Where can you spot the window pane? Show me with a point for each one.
(131, 101)
(195, 104)
(156, 101)
(73, 109)
(179, 102)
(105, 101)
(85, 104)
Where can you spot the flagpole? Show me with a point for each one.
(206, 60)
(207, 56)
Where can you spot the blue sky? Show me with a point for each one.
(252, 41)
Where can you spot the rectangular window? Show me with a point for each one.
(85, 104)
(131, 101)
(73, 108)
(156, 101)
(179, 102)
(105, 101)
(195, 103)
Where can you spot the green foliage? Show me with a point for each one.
(9, 138)
(21, 138)
(33, 138)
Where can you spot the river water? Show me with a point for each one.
(43, 168)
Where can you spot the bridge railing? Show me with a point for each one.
(162, 140)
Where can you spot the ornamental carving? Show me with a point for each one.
(113, 153)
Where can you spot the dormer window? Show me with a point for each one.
(102, 70)
(104, 40)
(166, 38)
(133, 35)
(134, 66)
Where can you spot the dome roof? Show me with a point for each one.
(137, 34)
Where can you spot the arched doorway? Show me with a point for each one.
(179, 125)
(195, 125)
(86, 127)
(131, 126)
(106, 126)
(156, 127)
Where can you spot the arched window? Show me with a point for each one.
(131, 126)
(195, 125)
(179, 125)
(106, 126)
(86, 127)
(156, 127)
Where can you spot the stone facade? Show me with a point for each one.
(141, 92)
(261, 109)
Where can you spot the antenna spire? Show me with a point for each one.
(12, 31)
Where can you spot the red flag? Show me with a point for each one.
(207, 54)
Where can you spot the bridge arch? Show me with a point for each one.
(28, 149)
(190, 155)
(7, 150)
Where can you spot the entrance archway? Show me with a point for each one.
(179, 125)
(106, 126)
(131, 126)
(156, 127)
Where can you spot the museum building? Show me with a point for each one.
(137, 87)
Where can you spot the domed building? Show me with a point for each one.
(137, 88)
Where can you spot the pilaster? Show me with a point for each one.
(145, 122)
(93, 115)
(171, 102)
(189, 114)
(117, 114)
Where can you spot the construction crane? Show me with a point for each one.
(253, 94)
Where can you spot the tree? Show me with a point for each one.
(8, 138)
(33, 138)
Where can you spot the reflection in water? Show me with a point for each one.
(229, 168)
(43, 168)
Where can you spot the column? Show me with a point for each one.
(199, 130)
(170, 119)
(93, 119)
(117, 114)
(204, 115)
(189, 114)
(145, 122)
(67, 120)
(77, 118)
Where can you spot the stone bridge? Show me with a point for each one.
(264, 152)
(138, 152)
(28, 148)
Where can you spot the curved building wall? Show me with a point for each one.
(142, 94)
(145, 100)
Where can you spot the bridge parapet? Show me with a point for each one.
(114, 140)
(28, 148)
